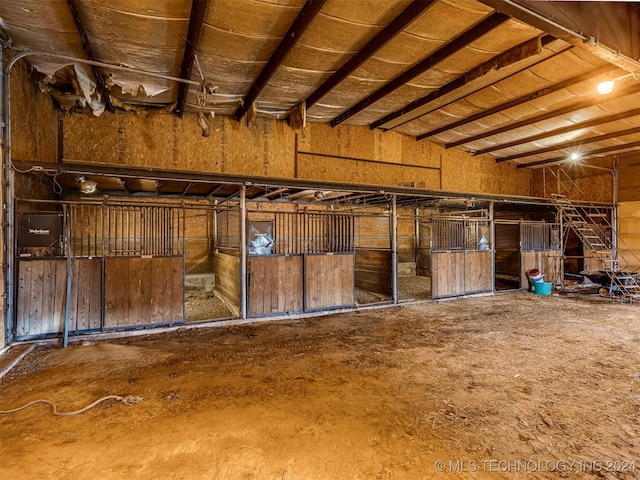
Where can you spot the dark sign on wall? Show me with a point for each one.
(40, 232)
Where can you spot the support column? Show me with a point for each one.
(394, 250)
(243, 252)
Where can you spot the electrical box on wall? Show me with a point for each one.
(39, 234)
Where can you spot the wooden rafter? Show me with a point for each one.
(196, 19)
(599, 151)
(482, 28)
(571, 144)
(297, 28)
(584, 77)
(560, 131)
(588, 102)
(408, 15)
(528, 49)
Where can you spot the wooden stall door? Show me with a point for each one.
(42, 291)
(330, 280)
(275, 284)
(447, 274)
(477, 272)
(143, 290)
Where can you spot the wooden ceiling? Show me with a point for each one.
(515, 80)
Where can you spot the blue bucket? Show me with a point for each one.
(542, 288)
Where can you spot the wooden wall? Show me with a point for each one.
(275, 284)
(329, 280)
(353, 154)
(34, 136)
(629, 230)
(548, 263)
(143, 290)
(41, 296)
(373, 270)
(227, 268)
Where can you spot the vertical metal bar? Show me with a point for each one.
(394, 250)
(243, 251)
(215, 225)
(67, 303)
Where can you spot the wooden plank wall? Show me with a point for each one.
(143, 290)
(547, 262)
(275, 284)
(41, 290)
(373, 270)
(41, 294)
(447, 274)
(227, 268)
(85, 312)
(477, 276)
(329, 280)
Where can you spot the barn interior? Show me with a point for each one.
(189, 167)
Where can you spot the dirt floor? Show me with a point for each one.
(511, 386)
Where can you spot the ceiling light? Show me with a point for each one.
(87, 186)
(607, 86)
(575, 157)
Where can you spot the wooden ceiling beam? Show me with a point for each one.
(409, 14)
(588, 102)
(297, 28)
(571, 144)
(590, 153)
(560, 131)
(516, 54)
(598, 72)
(88, 50)
(196, 20)
(474, 33)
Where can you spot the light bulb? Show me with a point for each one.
(605, 87)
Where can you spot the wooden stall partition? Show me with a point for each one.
(593, 260)
(41, 296)
(227, 270)
(143, 290)
(85, 310)
(275, 284)
(447, 274)
(477, 274)
(329, 280)
(41, 292)
(373, 270)
(548, 262)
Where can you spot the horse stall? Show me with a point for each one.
(461, 254)
(298, 260)
(374, 257)
(98, 266)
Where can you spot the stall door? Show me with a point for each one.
(460, 257)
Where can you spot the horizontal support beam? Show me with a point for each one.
(585, 77)
(297, 28)
(413, 11)
(591, 153)
(560, 131)
(571, 144)
(474, 33)
(588, 102)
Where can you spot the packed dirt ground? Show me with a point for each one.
(506, 386)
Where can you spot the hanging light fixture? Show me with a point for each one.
(87, 186)
(606, 86)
